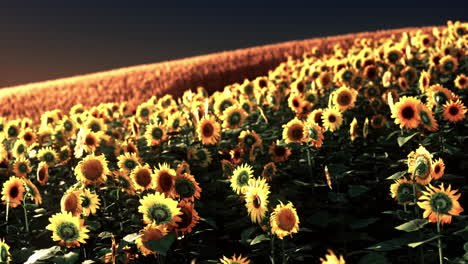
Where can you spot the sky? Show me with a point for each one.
(39, 43)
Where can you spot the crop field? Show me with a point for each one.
(347, 149)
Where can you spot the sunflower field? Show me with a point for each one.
(359, 155)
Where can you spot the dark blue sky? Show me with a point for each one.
(39, 43)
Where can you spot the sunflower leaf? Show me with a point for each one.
(403, 140)
(163, 244)
(259, 239)
(416, 244)
(412, 225)
(396, 175)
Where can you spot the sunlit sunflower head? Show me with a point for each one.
(142, 177)
(344, 98)
(13, 128)
(209, 131)
(222, 103)
(92, 169)
(427, 118)
(21, 167)
(256, 199)
(42, 173)
(295, 131)
(13, 192)
(448, 64)
(461, 82)
(159, 210)
(189, 217)
(316, 117)
(48, 155)
(406, 112)
(125, 182)
(234, 260)
(127, 162)
(155, 134)
(269, 171)
(165, 180)
(332, 119)
(95, 124)
(250, 139)
(144, 111)
(28, 135)
(240, 178)
(454, 111)
(440, 204)
(90, 202)
(331, 258)
(67, 229)
(295, 102)
(279, 153)
(199, 156)
(324, 80)
(402, 191)
(186, 187)
(345, 76)
(151, 232)
(5, 255)
(64, 155)
(353, 133)
(420, 165)
(20, 148)
(32, 191)
(284, 220)
(71, 202)
(233, 117)
(438, 169)
(67, 126)
(424, 81)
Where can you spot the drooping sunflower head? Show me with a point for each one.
(316, 117)
(331, 258)
(440, 204)
(402, 191)
(209, 131)
(332, 119)
(5, 255)
(13, 192)
(90, 202)
(314, 134)
(279, 153)
(42, 173)
(92, 169)
(256, 199)
(233, 117)
(67, 229)
(199, 156)
(48, 155)
(284, 220)
(406, 112)
(32, 191)
(438, 169)
(241, 177)
(269, 171)
(420, 165)
(159, 210)
(427, 118)
(295, 131)
(234, 260)
(71, 202)
(127, 162)
(189, 217)
(344, 98)
(454, 111)
(151, 232)
(186, 187)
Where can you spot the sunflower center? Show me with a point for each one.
(243, 178)
(208, 130)
(393, 57)
(20, 149)
(64, 155)
(184, 188)
(280, 151)
(441, 203)
(453, 110)
(248, 89)
(437, 168)
(92, 169)
(405, 193)
(295, 102)
(14, 192)
(130, 164)
(186, 218)
(176, 123)
(296, 133)
(23, 167)
(12, 131)
(344, 99)
(201, 155)
(27, 137)
(234, 119)
(95, 127)
(85, 201)
(425, 118)
(448, 66)
(157, 133)
(371, 92)
(68, 231)
(160, 213)
(42, 174)
(71, 203)
(3, 254)
(49, 157)
(68, 125)
(347, 76)
(225, 104)
(249, 140)
(286, 220)
(422, 167)
(144, 112)
(90, 140)
(408, 112)
(332, 118)
(143, 177)
(256, 201)
(311, 98)
(165, 181)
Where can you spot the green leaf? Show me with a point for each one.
(43, 254)
(356, 190)
(363, 223)
(415, 244)
(396, 175)
(373, 258)
(392, 244)
(69, 258)
(163, 244)
(245, 235)
(104, 235)
(412, 225)
(131, 237)
(403, 140)
(259, 239)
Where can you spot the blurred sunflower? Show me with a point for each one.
(393, 55)
(294, 132)
(186, 187)
(438, 169)
(378, 121)
(90, 202)
(28, 135)
(48, 155)
(332, 119)
(21, 167)
(461, 82)
(295, 102)
(256, 199)
(32, 191)
(241, 178)
(316, 117)
(402, 191)
(155, 134)
(269, 171)
(331, 258)
(250, 139)
(427, 118)
(13, 129)
(420, 165)
(353, 134)
(440, 204)
(92, 169)
(42, 173)
(71, 202)
(189, 217)
(159, 210)
(209, 131)
(284, 220)
(143, 178)
(199, 156)
(314, 134)
(236, 155)
(454, 111)
(424, 81)
(344, 98)
(448, 64)
(124, 181)
(5, 255)
(151, 232)
(234, 260)
(324, 80)
(279, 153)
(95, 125)
(64, 155)
(406, 112)
(67, 229)
(13, 191)
(233, 117)
(20, 148)
(127, 162)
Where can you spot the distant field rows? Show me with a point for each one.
(138, 83)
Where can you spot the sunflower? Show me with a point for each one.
(324, 80)
(454, 111)
(250, 139)
(21, 167)
(371, 72)
(28, 135)
(439, 95)
(149, 233)
(406, 112)
(295, 102)
(448, 64)
(32, 191)
(125, 183)
(67, 229)
(176, 121)
(189, 217)
(332, 119)
(424, 81)
(64, 155)
(89, 201)
(378, 121)
(48, 155)
(279, 153)
(183, 167)
(71, 202)
(353, 129)
(295, 131)
(5, 256)
(393, 55)
(461, 82)
(438, 168)
(142, 177)
(20, 148)
(222, 103)
(127, 162)
(440, 204)
(209, 131)
(233, 117)
(284, 220)
(331, 258)
(236, 155)
(316, 117)
(144, 111)
(427, 118)
(90, 140)
(314, 134)
(95, 125)
(92, 170)
(240, 178)
(42, 173)
(420, 165)
(159, 210)
(13, 129)
(13, 191)
(186, 187)
(345, 76)
(234, 260)
(344, 98)
(256, 199)
(67, 126)
(402, 191)
(199, 156)
(269, 171)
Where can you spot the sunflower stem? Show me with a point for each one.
(416, 212)
(439, 239)
(26, 224)
(7, 212)
(283, 251)
(309, 163)
(272, 245)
